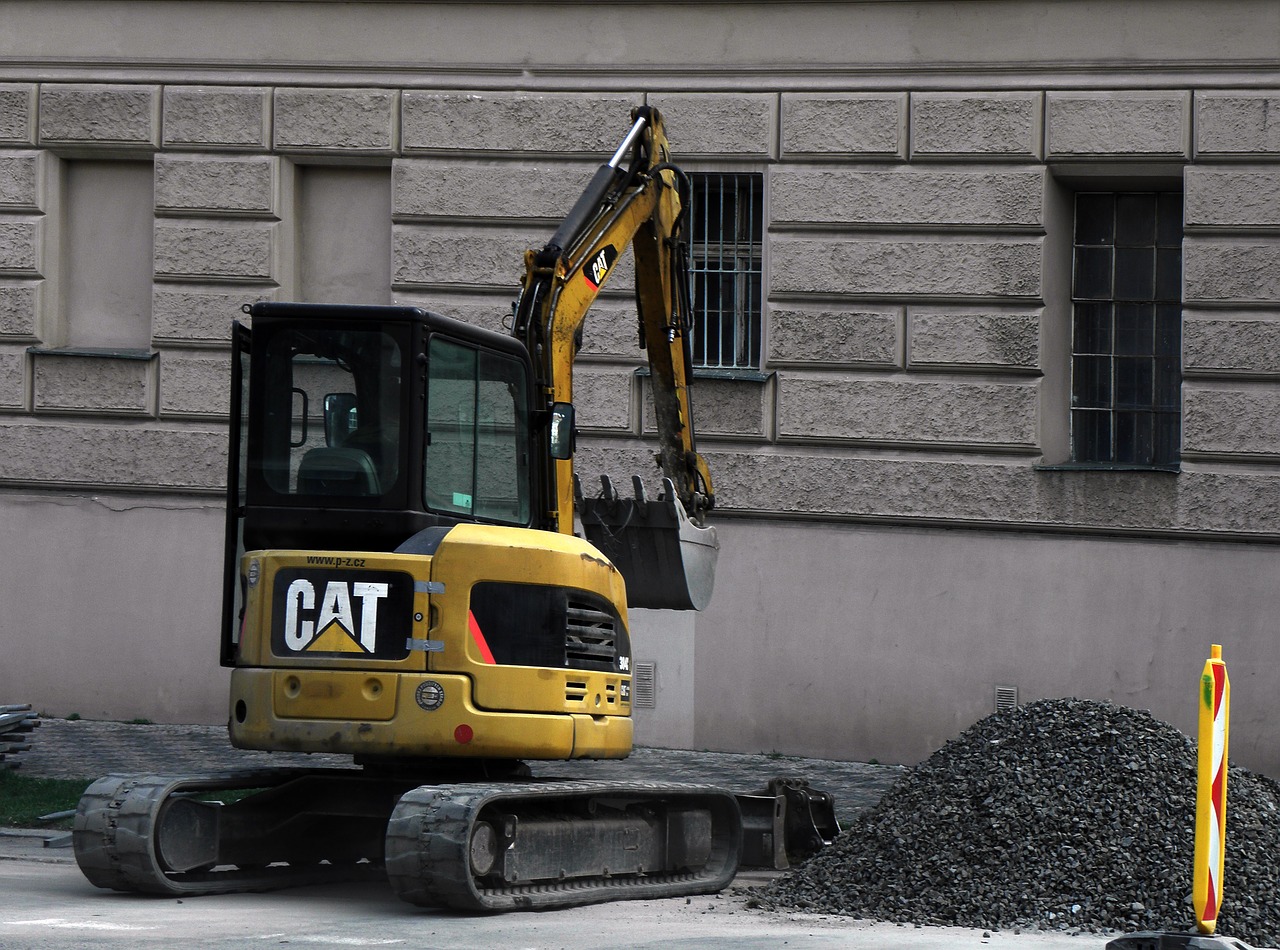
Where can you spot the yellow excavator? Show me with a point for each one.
(405, 583)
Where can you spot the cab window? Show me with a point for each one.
(331, 422)
(476, 464)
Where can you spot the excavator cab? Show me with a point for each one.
(355, 428)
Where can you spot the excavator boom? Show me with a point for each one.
(663, 547)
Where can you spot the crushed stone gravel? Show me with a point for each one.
(1057, 815)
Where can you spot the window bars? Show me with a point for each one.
(726, 272)
(1126, 372)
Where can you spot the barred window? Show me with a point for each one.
(1126, 372)
(727, 225)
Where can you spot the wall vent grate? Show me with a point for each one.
(644, 682)
(1006, 698)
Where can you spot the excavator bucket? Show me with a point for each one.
(666, 559)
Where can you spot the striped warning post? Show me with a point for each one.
(1211, 791)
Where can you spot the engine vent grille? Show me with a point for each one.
(644, 684)
(590, 638)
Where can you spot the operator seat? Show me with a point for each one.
(337, 471)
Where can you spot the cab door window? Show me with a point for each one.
(476, 463)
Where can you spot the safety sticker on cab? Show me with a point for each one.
(341, 613)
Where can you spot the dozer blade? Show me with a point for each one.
(785, 823)
(666, 559)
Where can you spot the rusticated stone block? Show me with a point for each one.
(602, 398)
(180, 315)
(987, 125)
(892, 410)
(974, 339)
(114, 456)
(1237, 123)
(730, 407)
(424, 187)
(349, 120)
(1232, 421)
(19, 306)
(1230, 344)
(1235, 271)
(907, 196)
(99, 114)
(907, 266)
(719, 123)
(226, 250)
(447, 255)
(489, 310)
(194, 384)
(612, 328)
(868, 337)
(1233, 196)
(863, 124)
(21, 245)
(83, 383)
(195, 184)
(18, 113)
(22, 180)
(480, 257)
(217, 116)
(565, 123)
(13, 377)
(1123, 124)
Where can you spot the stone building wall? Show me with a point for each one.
(909, 422)
(907, 265)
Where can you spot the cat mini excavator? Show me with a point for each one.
(404, 584)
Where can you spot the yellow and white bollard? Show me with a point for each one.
(1211, 791)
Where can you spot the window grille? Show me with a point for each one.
(1126, 373)
(727, 233)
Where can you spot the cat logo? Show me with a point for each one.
(318, 613)
(599, 266)
(334, 628)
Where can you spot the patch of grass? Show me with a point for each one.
(23, 799)
(141, 722)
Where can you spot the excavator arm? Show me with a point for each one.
(664, 548)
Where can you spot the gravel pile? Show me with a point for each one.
(1061, 814)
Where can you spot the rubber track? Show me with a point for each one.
(114, 841)
(428, 839)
